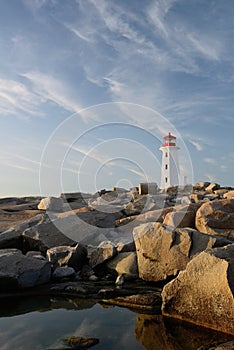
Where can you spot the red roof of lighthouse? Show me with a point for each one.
(169, 136)
(169, 140)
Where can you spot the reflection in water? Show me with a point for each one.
(162, 333)
(42, 322)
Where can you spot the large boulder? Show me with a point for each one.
(124, 264)
(19, 271)
(104, 252)
(51, 204)
(163, 251)
(74, 257)
(180, 218)
(216, 218)
(45, 235)
(204, 293)
(11, 239)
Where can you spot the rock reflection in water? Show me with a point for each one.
(157, 333)
(22, 305)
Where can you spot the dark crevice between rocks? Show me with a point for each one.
(230, 277)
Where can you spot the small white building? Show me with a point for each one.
(170, 173)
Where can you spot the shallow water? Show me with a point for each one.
(42, 323)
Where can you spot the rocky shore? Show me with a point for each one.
(147, 249)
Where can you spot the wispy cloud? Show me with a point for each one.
(78, 33)
(19, 167)
(16, 99)
(197, 145)
(203, 47)
(211, 161)
(52, 89)
(156, 14)
(115, 86)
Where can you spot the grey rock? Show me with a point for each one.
(11, 239)
(74, 257)
(105, 251)
(140, 205)
(19, 271)
(148, 188)
(45, 235)
(93, 278)
(63, 272)
(35, 255)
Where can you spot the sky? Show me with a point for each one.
(88, 89)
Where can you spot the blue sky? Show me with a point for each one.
(169, 62)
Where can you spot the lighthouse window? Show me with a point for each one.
(166, 179)
(166, 166)
(166, 154)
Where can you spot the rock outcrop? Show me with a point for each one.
(204, 292)
(45, 235)
(163, 251)
(216, 218)
(19, 271)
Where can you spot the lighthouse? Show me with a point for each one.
(170, 166)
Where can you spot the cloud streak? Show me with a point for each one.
(51, 89)
(17, 99)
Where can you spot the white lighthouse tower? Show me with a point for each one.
(170, 166)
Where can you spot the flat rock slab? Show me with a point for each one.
(45, 235)
(146, 302)
(11, 218)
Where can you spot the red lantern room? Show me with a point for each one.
(169, 140)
